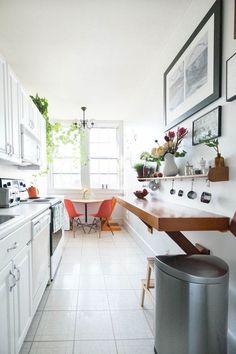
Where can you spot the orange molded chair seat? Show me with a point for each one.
(104, 213)
(73, 215)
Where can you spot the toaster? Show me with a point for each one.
(9, 197)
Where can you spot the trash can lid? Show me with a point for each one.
(194, 268)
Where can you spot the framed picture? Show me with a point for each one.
(193, 79)
(231, 78)
(234, 19)
(207, 126)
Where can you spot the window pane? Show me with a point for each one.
(103, 135)
(68, 150)
(98, 180)
(103, 150)
(66, 165)
(67, 181)
(104, 166)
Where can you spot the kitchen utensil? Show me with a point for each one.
(205, 197)
(154, 185)
(191, 194)
(172, 190)
(180, 193)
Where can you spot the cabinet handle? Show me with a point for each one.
(31, 124)
(38, 153)
(14, 280)
(8, 148)
(14, 247)
(17, 272)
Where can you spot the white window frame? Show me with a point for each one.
(85, 169)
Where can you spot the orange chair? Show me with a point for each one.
(73, 215)
(104, 213)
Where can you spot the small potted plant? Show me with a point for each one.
(152, 163)
(214, 143)
(139, 169)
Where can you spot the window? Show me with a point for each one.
(94, 162)
(66, 169)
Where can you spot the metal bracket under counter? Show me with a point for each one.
(174, 218)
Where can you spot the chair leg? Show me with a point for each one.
(73, 226)
(142, 296)
(109, 227)
(92, 225)
(100, 228)
(80, 223)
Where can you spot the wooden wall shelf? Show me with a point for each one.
(174, 218)
(215, 174)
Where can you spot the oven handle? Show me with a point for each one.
(58, 210)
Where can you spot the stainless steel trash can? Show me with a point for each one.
(191, 304)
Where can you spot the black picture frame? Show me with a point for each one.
(182, 70)
(234, 19)
(210, 121)
(231, 78)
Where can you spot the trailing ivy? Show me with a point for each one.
(56, 134)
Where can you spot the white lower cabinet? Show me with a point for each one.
(7, 281)
(15, 289)
(22, 295)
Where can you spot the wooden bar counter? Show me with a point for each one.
(174, 218)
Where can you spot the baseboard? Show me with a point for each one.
(137, 237)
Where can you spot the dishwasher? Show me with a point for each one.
(40, 256)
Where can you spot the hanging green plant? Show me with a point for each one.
(56, 134)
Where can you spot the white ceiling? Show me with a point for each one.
(93, 53)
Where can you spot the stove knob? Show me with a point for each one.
(21, 183)
(18, 199)
(9, 184)
(24, 185)
(5, 185)
(11, 200)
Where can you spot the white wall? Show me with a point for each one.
(148, 125)
(12, 171)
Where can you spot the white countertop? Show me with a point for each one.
(23, 213)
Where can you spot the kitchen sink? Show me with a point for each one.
(40, 200)
(5, 218)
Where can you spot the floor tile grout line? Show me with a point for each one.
(73, 349)
(99, 251)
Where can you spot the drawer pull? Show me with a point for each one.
(14, 247)
(14, 280)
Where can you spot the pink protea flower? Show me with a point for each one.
(181, 132)
(171, 135)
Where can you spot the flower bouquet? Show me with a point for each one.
(171, 145)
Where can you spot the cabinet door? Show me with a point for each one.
(34, 119)
(13, 122)
(22, 295)
(23, 107)
(7, 282)
(3, 107)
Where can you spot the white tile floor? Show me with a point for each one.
(93, 304)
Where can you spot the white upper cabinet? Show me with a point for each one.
(17, 110)
(23, 106)
(34, 120)
(13, 126)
